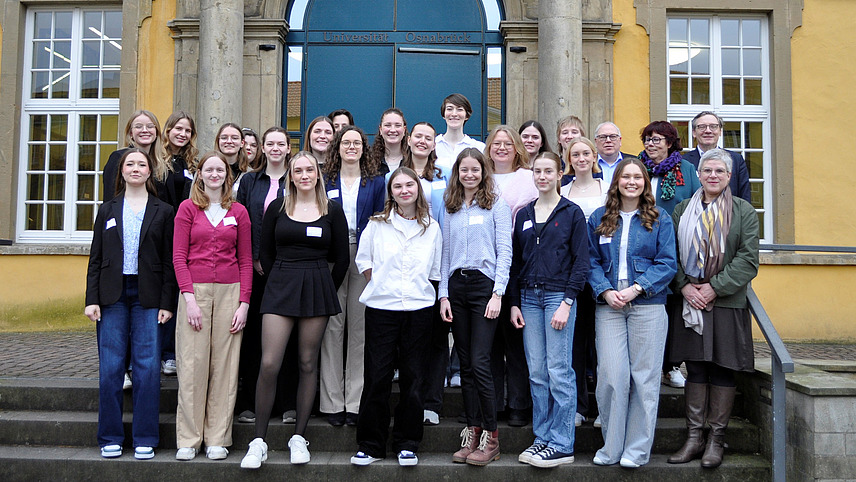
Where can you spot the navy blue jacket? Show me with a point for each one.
(558, 259)
(370, 199)
(251, 194)
(739, 173)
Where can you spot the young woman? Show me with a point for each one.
(400, 256)
(548, 272)
(230, 143)
(251, 148)
(589, 193)
(212, 255)
(142, 131)
(632, 249)
(341, 118)
(456, 110)
(257, 191)
(390, 145)
(421, 158)
(534, 139)
(319, 135)
(301, 233)
(566, 129)
(130, 289)
(509, 163)
(354, 184)
(474, 275)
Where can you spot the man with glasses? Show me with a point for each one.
(707, 129)
(607, 137)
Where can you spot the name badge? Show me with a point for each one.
(188, 175)
(605, 239)
(441, 184)
(110, 224)
(476, 220)
(333, 193)
(527, 224)
(230, 221)
(313, 231)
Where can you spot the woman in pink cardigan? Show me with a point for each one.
(212, 254)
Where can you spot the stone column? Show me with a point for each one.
(220, 68)
(560, 60)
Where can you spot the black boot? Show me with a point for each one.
(720, 402)
(695, 395)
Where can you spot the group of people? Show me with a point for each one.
(545, 265)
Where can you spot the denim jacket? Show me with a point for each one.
(652, 261)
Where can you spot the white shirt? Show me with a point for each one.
(446, 153)
(349, 205)
(622, 247)
(403, 259)
(587, 203)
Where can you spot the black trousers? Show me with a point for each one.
(388, 333)
(508, 363)
(583, 345)
(438, 362)
(474, 340)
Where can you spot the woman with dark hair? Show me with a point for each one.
(712, 333)
(399, 299)
(548, 271)
(534, 138)
(230, 142)
(143, 132)
(301, 234)
(319, 135)
(390, 145)
(251, 148)
(674, 179)
(341, 118)
(213, 262)
(130, 289)
(632, 249)
(354, 184)
(474, 276)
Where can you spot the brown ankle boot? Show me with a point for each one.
(720, 402)
(695, 395)
(488, 450)
(469, 444)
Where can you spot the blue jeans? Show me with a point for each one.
(630, 354)
(122, 323)
(551, 377)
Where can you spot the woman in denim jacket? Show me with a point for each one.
(632, 249)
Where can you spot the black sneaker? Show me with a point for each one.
(525, 457)
(336, 419)
(550, 457)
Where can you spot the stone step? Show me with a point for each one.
(70, 463)
(82, 395)
(79, 429)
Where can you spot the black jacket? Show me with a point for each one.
(158, 288)
(558, 259)
(252, 193)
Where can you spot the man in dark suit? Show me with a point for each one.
(607, 138)
(707, 129)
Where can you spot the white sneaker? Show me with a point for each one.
(407, 458)
(185, 453)
(430, 417)
(127, 384)
(299, 451)
(111, 451)
(216, 453)
(598, 422)
(256, 454)
(628, 464)
(144, 453)
(455, 381)
(168, 367)
(362, 458)
(579, 419)
(675, 378)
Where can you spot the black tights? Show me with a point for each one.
(276, 330)
(709, 372)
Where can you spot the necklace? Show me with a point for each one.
(584, 189)
(406, 217)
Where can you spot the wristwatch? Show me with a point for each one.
(638, 289)
(569, 301)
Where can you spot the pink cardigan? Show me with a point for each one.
(203, 253)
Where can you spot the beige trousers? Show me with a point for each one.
(341, 390)
(207, 362)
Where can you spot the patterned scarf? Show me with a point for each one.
(669, 170)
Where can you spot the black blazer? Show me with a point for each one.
(158, 288)
(739, 173)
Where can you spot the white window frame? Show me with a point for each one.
(73, 107)
(733, 113)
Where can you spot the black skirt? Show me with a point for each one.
(300, 289)
(726, 339)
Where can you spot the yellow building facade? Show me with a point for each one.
(791, 117)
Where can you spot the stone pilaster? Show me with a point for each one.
(560, 60)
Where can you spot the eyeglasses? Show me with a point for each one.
(653, 140)
(610, 137)
(502, 144)
(230, 138)
(352, 143)
(140, 127)
(708, 171)
(704, 127)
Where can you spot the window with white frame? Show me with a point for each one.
(721, 64)
(68, 121)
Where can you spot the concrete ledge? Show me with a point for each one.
(45, 249)
(810, 380)
(794, 257)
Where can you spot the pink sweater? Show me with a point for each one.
(203, 253)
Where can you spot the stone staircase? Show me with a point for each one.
(48, 432)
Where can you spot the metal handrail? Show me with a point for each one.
(781, 363)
